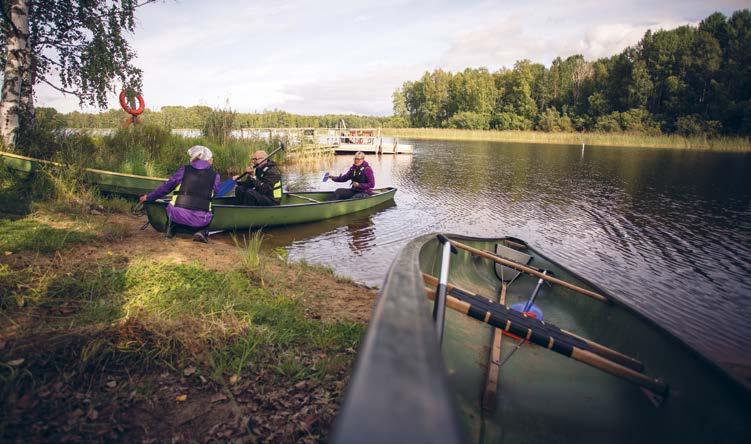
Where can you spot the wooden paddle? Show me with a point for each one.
(527, 330)
(620, 358)
(530, 270)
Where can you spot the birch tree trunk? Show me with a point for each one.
(17, 63)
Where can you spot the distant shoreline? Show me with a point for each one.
(728, 144)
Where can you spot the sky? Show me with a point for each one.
(319, 57)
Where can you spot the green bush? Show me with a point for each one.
(609, 123)
(510, 121)
(469, 120)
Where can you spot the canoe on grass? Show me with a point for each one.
(295, 208)
(108, 181)
(407, 388)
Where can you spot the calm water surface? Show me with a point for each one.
(668, 231)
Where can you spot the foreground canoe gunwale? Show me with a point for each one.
(365, 408)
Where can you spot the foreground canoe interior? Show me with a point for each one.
(541, 396)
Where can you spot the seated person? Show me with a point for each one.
(361, 175)
(263, 185)
(196, 184)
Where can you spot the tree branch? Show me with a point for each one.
(8, 19)
(64, 91)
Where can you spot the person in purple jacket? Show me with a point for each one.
(196, 184)
(361, 175)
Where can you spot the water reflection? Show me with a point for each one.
(669, 231)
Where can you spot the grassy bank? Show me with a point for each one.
(736, 144)
(113, 333)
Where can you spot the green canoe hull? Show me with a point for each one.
(107, 181)
(296, 208)
(541, 396)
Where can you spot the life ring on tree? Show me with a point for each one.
(133, 112)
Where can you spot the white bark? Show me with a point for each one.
(16, 64)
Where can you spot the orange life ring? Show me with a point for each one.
(126, 106)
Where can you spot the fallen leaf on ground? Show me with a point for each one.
(189, 371)
(181, 398)
(16, 362)
(233, 379)
(111, 384)
(218, 397)
(8, 253)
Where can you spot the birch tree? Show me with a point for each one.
(76, 47)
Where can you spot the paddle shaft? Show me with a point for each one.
(529, 270)
(281, 147)
(577, 354)
(595, 347)
(304, 197)
(439, 308)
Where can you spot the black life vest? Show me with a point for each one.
(196, 190)
(359, 175)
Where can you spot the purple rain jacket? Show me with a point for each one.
(184, 216)
(365, 178)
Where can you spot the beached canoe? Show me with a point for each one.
(107, 181)
(295, 208)
(591, 371)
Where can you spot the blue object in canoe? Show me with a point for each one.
(533, 309)
(325, 177)
(225, 187)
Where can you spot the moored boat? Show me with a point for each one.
(295, 208)
(108, 181)
(581, 365)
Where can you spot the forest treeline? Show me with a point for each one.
(196, 117)
(691, 80)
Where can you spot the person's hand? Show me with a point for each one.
(143, 198)
(249, 170)
(355, 184)
(235, 176)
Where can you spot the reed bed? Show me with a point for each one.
(731, 144)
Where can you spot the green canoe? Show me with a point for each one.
(591, 372)
(295, 208)
(108, 181)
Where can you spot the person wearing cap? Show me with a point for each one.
(263, 185)
(196, 184)
(361, 175)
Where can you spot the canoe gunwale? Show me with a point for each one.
(388, 190)
(365, 406)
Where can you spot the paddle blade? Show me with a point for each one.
(225, 187)
(325, 177)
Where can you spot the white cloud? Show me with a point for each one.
(341, 56)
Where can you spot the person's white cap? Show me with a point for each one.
(200, 152)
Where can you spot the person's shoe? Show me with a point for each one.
(201, 236)
(170, 233)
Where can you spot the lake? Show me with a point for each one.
(666, 231)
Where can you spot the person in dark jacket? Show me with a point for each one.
(361, 175)
(263, 187)
(196, 184)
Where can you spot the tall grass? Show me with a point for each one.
(251, 246)
(738, 144)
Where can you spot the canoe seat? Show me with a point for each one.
(508, 274)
